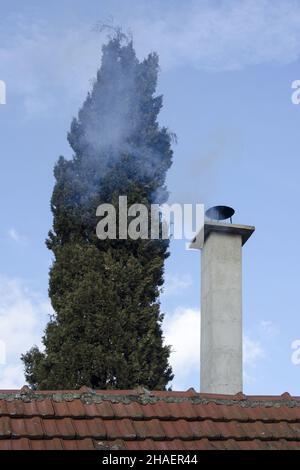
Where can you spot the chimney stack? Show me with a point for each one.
(221, 302)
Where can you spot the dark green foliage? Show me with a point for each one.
(106, 331)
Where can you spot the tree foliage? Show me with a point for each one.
(106, 329)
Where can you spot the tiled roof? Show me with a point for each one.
(139, 419)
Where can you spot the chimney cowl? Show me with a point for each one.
(220, 213)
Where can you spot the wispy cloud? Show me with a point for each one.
(14, 235)
(224, 35)
(257, 350)
(175, 284)
(268, 329)
(252, 351)
(49, 66)
(23, 315)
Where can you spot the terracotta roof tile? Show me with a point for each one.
(18, 427)
(93, 428)
(105, 409)
(15, 407)
(182, 410)
(45, 408)
(97, 428)
(5, 444)
(91, 410)
(206, 444)
(201, 428)
(160, 409)
(39, 444)
(121, 410)
(65, 428)
(61, 408)
(164, 445)
(76, 409)
(20, 444)
(135, 410)
(34, 427)
(188, 445)
(82, 427)
(77, 444)
(85, 444)
(126, 429)
(3, 407)
(53, 444)
(5, 429)
(157, 428)
(149, 428)
(295, 431)
(139, 419)
(30, 409)
(146, 444)
(46, 444)
(176, 429)
(120, 429)
(232, 412)
(147, 411)
(50, 428)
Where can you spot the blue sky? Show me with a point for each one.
(226, 75)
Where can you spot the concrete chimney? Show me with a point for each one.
(221, 306)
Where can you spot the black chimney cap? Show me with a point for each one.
(220, 212)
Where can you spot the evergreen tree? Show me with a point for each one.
(106, 330)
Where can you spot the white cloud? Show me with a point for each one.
(12, 377)
(225, 35)
(16, 236)
(47, 67)
(268, 329)
(252, 351)
(23, 315)
(182, 332)
(175, 284)
(50, 66)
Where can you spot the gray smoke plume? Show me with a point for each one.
(117, 124)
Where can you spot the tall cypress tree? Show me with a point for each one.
(106, 330)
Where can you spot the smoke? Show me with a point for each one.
(117, 130)
(117, 121)
(202, 175)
